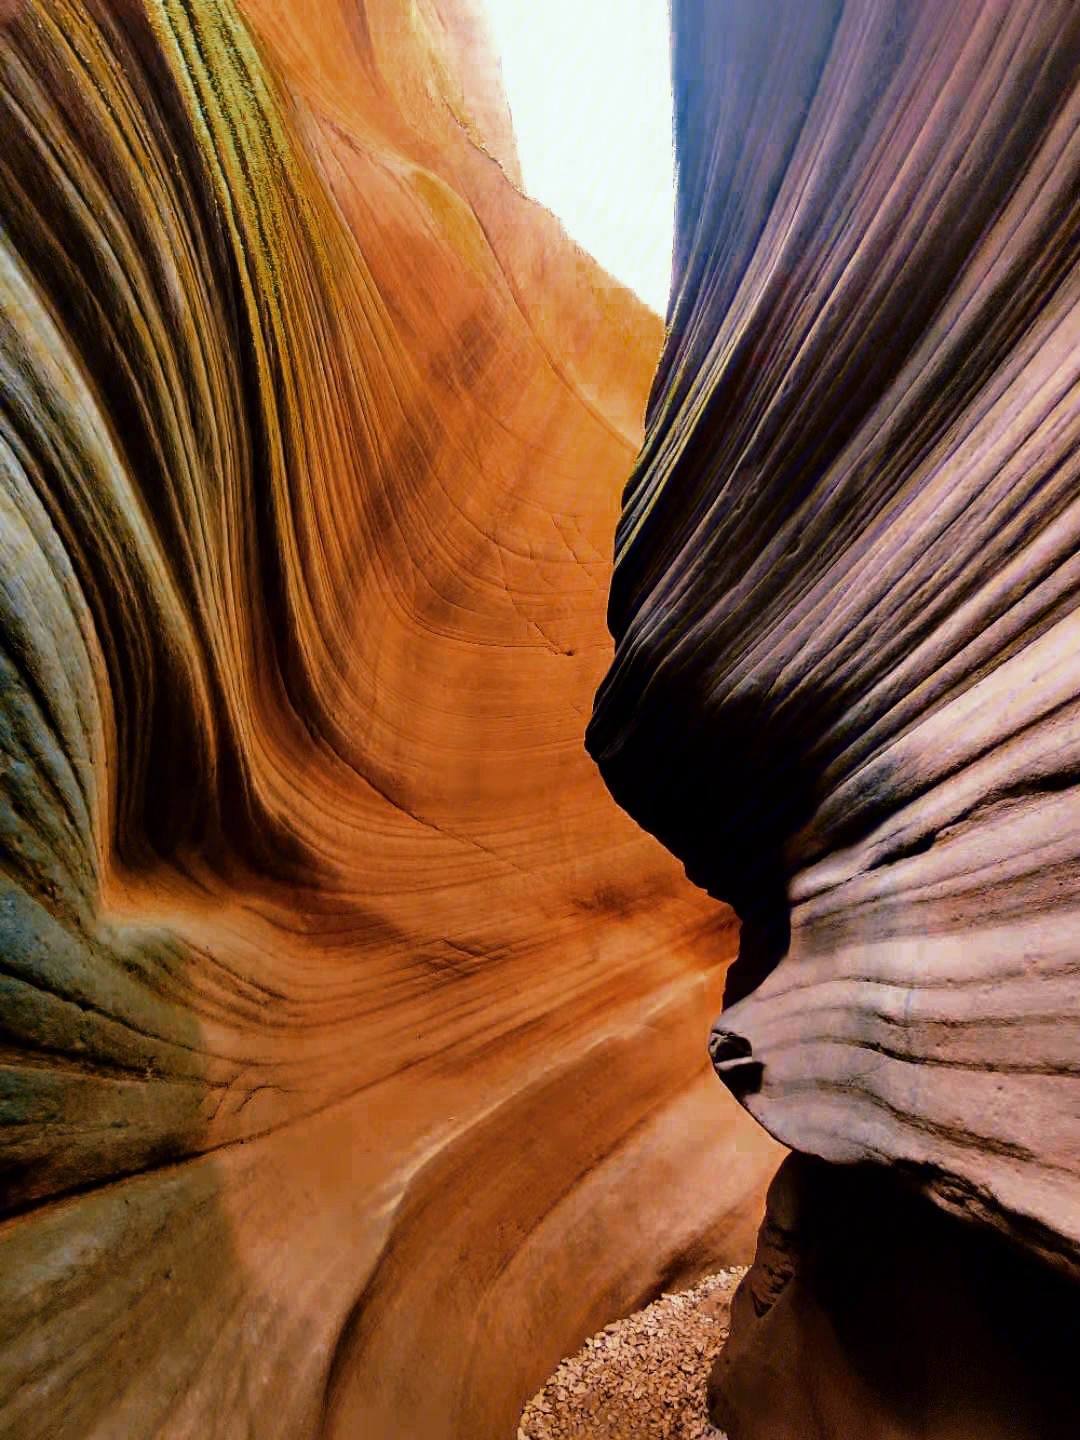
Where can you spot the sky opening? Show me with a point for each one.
(589, 86)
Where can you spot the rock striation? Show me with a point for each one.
(846, 600)
(847, 593)
(352, 1039)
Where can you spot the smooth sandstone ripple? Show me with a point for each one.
(846, 689)
(352, 1061)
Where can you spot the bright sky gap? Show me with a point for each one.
(589, 86)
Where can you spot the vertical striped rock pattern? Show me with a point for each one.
(846, 600)
(351, 1039)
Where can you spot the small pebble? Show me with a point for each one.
(642, 1378)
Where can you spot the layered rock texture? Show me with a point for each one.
(353, 1061)
(846, 690)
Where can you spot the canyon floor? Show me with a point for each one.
(642, 1378)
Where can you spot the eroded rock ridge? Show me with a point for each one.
(352, 1065)
(846, 600)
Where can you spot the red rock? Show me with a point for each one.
(353, 1037)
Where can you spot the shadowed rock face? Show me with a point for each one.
(846, 688)
(869, 1311)
(353, 1063)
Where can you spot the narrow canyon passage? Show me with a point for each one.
(355, 1003)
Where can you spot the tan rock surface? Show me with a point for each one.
(353, 1061)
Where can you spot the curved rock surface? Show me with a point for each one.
(869, 1311)
(353, 1063)
(846, 690)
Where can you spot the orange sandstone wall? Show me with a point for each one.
(353, 1040)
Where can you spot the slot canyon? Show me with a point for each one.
(509, 803)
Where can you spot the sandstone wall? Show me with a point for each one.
(846, 689)
(847, 592)
(353, 1040)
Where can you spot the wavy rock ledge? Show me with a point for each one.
(353, 1040)
(846, 600)
(846, 690)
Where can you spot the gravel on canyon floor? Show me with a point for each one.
(642, 1378)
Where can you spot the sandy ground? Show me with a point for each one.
(642, 1378)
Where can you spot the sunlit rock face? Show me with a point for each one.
(846, 690)
(353, 1062)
